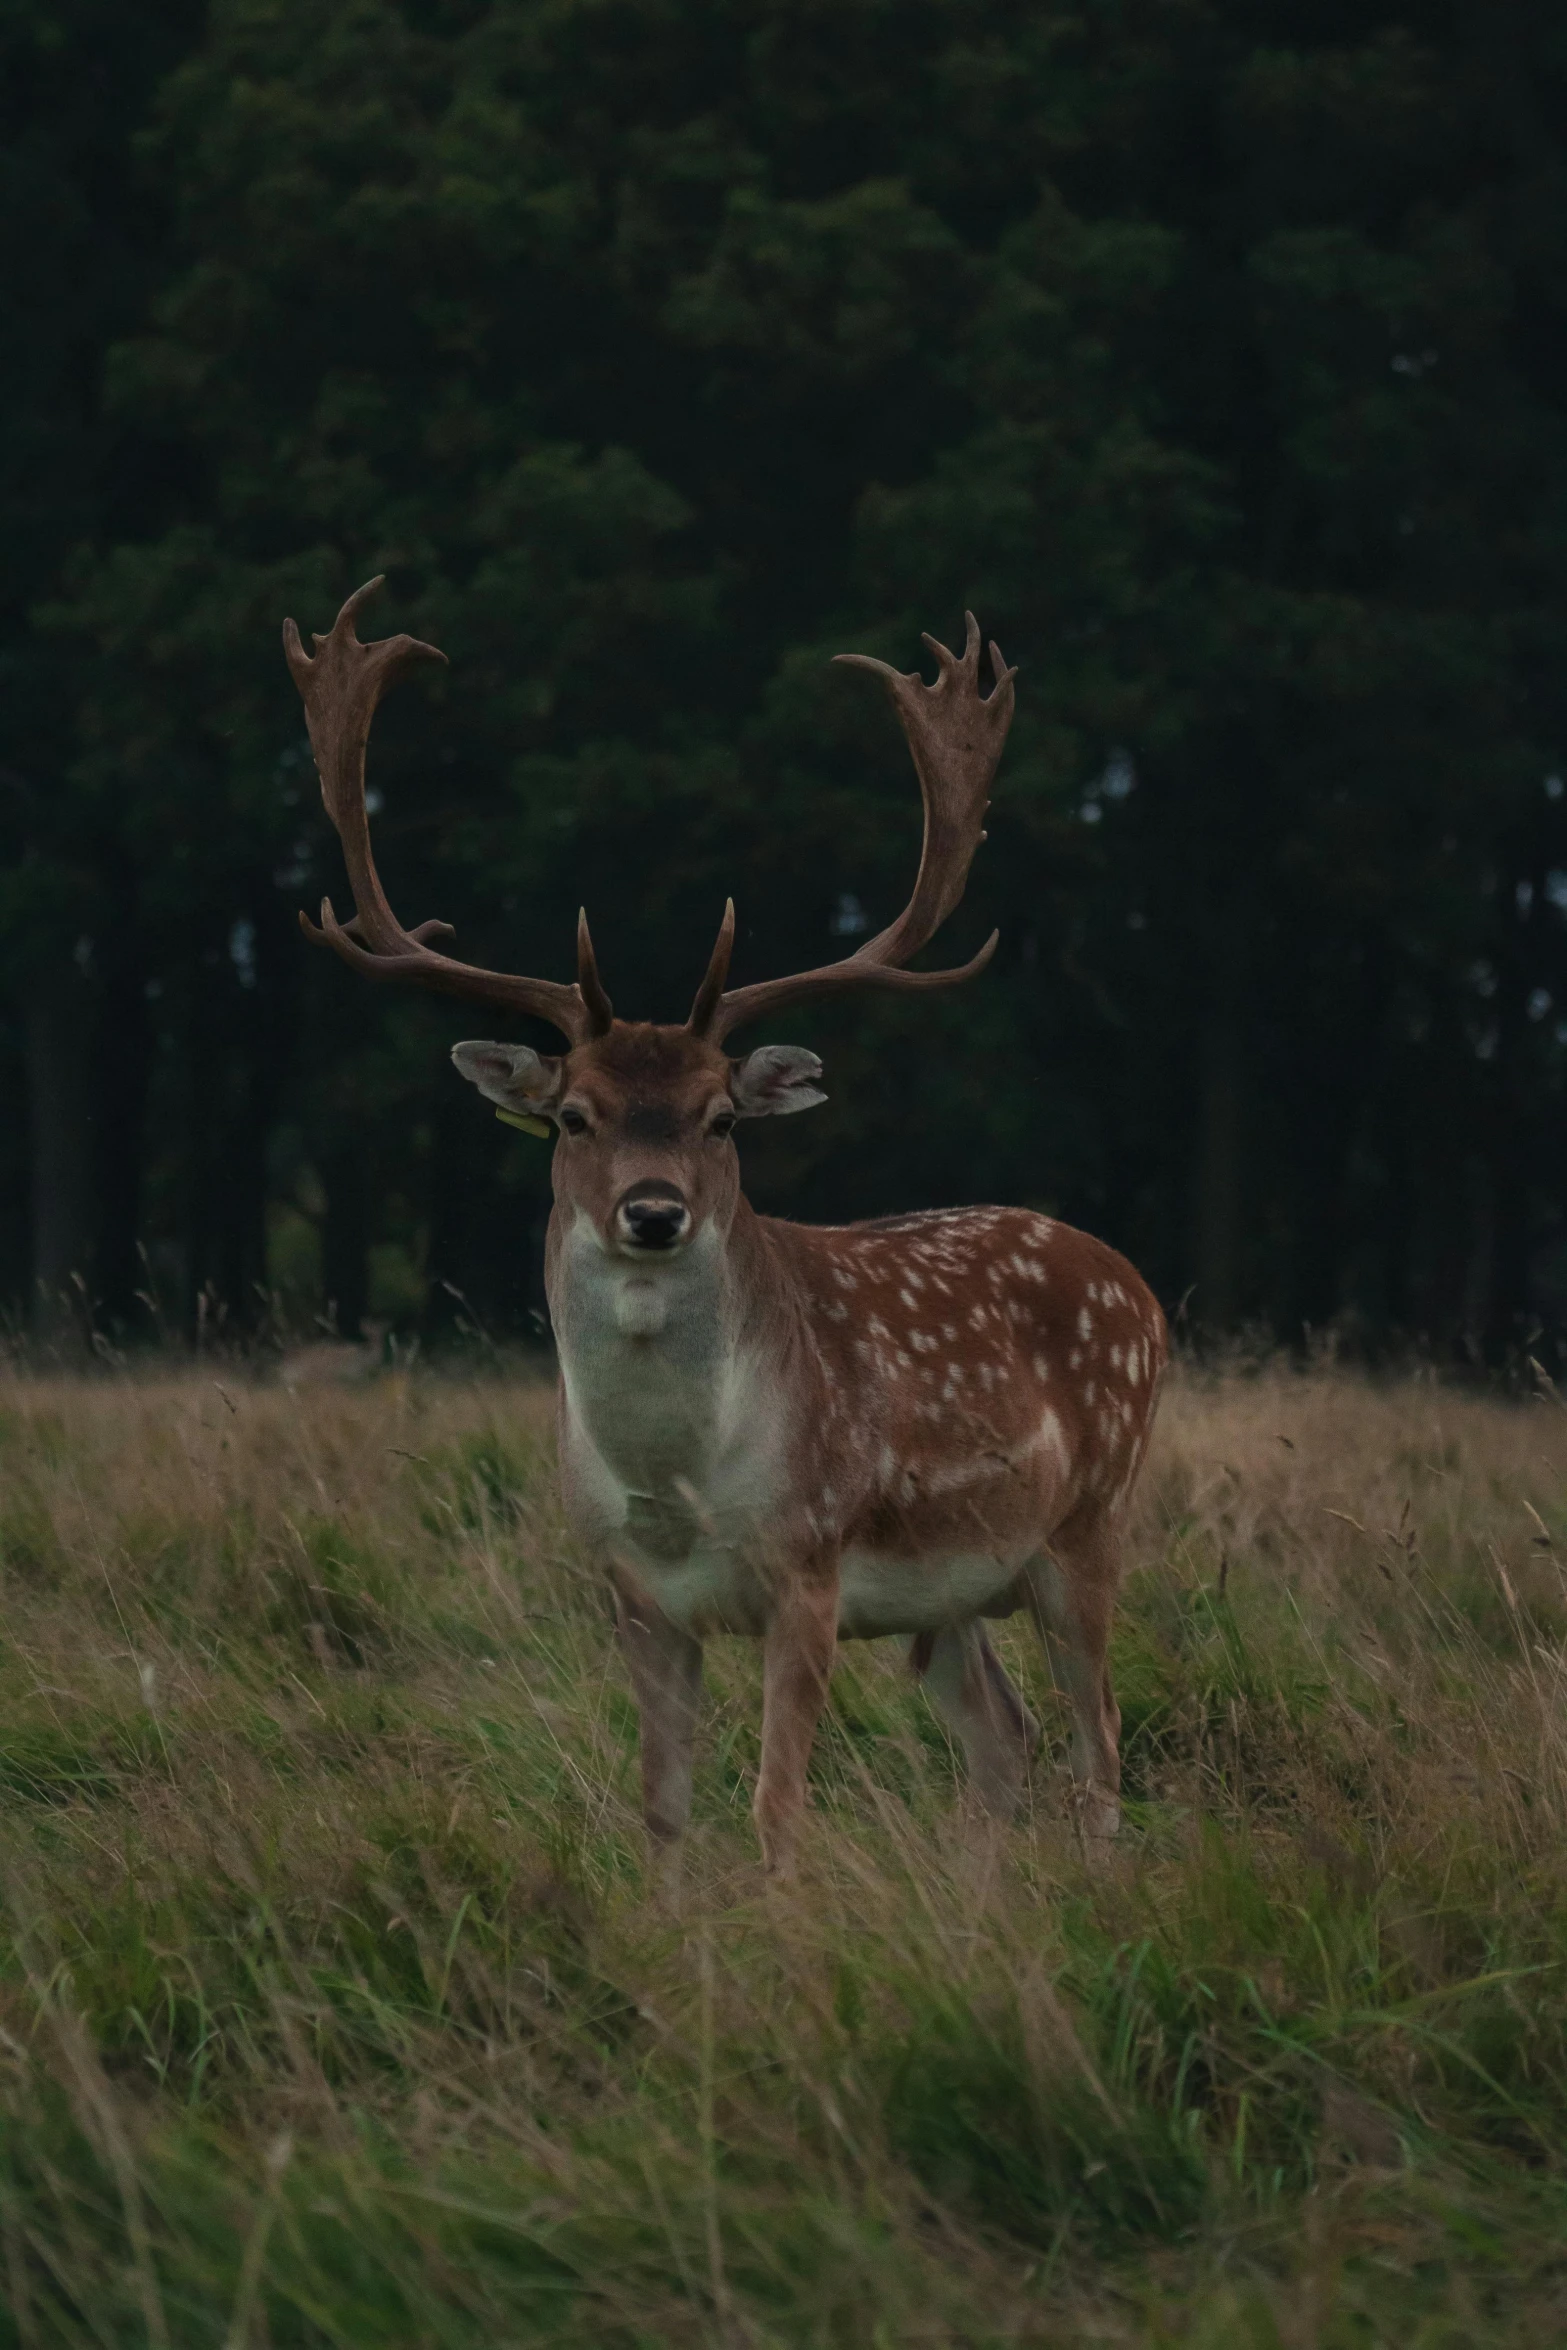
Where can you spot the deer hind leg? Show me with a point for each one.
(967, 1684)
(1071, 1592)
(665, 1665)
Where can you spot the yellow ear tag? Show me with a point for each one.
(524, 1125)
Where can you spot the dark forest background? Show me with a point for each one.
(1214, 351)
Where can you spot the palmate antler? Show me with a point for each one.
(340, 689)
(956, 739)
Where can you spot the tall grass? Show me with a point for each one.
(337, 2005)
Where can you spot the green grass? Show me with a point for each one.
(338, 2004)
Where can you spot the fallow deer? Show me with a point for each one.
(798, 1434)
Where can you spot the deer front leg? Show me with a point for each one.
(797, 1659)
(665, 1665)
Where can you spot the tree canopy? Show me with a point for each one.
(657, 349)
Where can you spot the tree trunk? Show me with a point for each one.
(1217, 1177)
(346, 1240)
(58, 1020)
(123, 1070)
(1509, 1189)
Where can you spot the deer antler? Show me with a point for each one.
(340, 689)
(956, 740)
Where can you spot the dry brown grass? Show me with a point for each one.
(337, 2007)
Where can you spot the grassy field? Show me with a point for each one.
(337, 2006)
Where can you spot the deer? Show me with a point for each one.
(797, 1434)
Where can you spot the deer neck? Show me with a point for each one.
(659, 1356)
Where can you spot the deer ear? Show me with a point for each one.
(512, 1074)
(775, 1080)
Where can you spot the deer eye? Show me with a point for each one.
(723, 1126)
(573, 1122)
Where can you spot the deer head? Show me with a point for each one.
(645, 1113)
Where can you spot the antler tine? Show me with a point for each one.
(601, 1012)
(341, 687)
(956, 739)
(711, 992)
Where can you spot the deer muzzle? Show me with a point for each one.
(651, 1218)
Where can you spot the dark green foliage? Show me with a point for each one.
(1214, 355)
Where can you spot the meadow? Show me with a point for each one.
(338, 2004)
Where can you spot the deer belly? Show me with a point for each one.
(879, 1593)
(706, 1591)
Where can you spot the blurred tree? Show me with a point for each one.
(76, 79)
(657, 348)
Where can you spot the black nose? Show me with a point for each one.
(655, 1220)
